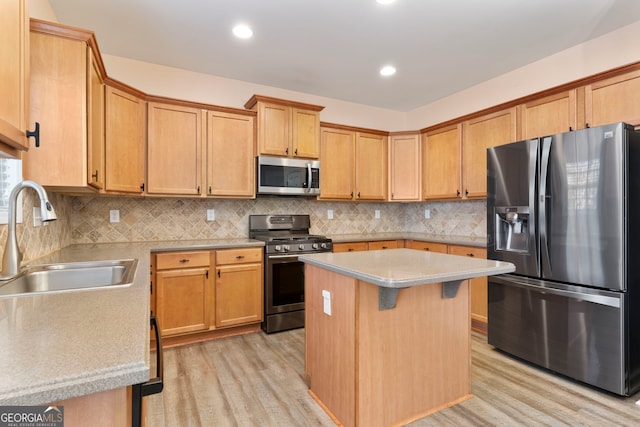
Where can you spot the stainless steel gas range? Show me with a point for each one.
(285, 237)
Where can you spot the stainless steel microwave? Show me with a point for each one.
(285, 176)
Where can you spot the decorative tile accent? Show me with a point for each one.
(83, 219)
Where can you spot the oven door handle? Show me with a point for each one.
(281, 256)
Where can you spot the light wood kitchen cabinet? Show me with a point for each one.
(231, 154)
(427, 246)
(96, 123)
(174, 149)
(350, 247)
(286, 128)
(183, 291)
(478, 134)
(125, 112)
(378, 245)
(442, 163)
(371, 166)
(613, 100)
(67, 100)
(404, 167)
(549, 115)
(238, 287)
(478, 286)
(14, 69)
(337, 157)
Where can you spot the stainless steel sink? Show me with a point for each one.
(71, 277)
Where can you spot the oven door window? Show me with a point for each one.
(287, 282)
(283, 176)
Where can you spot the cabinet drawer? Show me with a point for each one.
(350, 247)
(168, 260)
(383, 244)
(238, 256)
(428, 246)
(470, 251)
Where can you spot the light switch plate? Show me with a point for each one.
(376, 214)
(329, 213)
(114, 215)
(211, 214)
(427, 213)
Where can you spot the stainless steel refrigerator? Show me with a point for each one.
(565, 209)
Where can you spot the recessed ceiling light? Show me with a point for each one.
(385, 1)
(387, 70)
(242, 31)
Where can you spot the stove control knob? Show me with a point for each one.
(286, 248)
(314, 246)
(301, 247)
(278, 248)
(323, 245)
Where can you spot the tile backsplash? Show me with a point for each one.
(84, 219)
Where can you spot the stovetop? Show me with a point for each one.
(287, 234)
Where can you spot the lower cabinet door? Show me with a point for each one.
(181, 300)
(238, 294)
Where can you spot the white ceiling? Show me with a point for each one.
(334, 48)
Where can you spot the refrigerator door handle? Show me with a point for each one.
(542, 210)
(609, 301)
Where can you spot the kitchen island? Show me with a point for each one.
(388, 336)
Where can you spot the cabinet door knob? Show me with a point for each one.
(95, 175)
(296, 152)
(286, 151)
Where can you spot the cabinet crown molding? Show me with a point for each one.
(260, 98)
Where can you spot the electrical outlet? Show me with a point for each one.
(114, 215)
(376, 214)
(427, 213)
(329, 213)
(211, 214)
(326, 302)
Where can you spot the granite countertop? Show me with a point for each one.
(480, 242)
(57, 346)
(401, 268)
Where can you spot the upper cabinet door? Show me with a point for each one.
(305, 133)
(549, 115)
(174, 156)
(371, 166)
(441, 163)
(273, 129)
(124, 141)
(230, 155)
(337, 163)
(14, 69)
(404, 167)
(479, 134)
(613, 100)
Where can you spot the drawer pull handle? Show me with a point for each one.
(350, 249)
(471, 255)
(384, 247)
(184, 260)
(240, 257)
(426, 249)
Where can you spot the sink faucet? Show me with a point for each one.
(12, 255)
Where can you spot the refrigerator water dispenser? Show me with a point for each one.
(512, 228)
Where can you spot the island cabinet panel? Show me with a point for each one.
(371, 367)
(478, 134)
(103, 409)
(174, 149)
(613, 100)
(14, 69)
(549, 115)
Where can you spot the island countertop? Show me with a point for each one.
(402, 268)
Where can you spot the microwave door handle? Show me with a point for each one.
(309, 176)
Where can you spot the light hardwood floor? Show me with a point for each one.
(259, 380)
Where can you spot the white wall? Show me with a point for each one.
(615, 49)
(612, 50)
